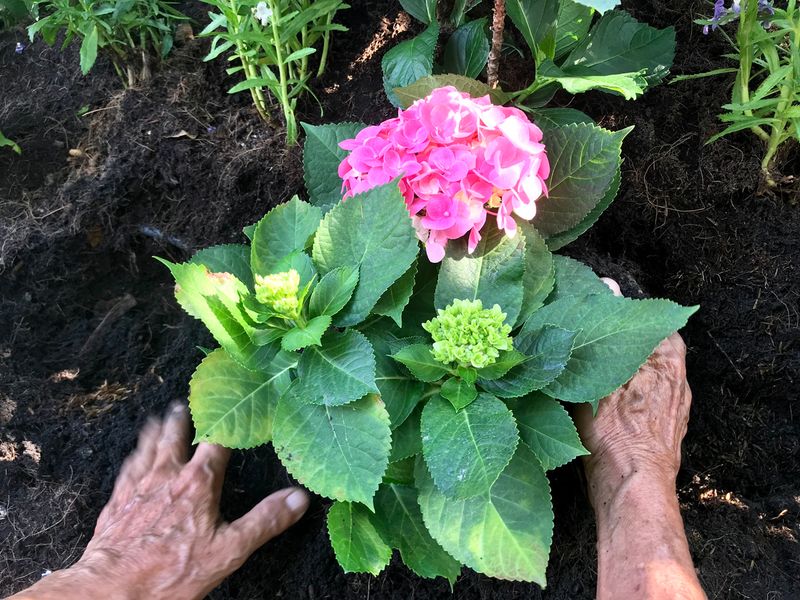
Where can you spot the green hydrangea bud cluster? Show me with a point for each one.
(469, 335)
(279, 292)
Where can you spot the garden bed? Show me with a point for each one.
(91, 340)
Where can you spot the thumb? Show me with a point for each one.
(269, 518)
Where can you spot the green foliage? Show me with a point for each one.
(765, 97)
(356, 542)
(13, 12)
(5, 142)
(132, 33)
(409, 61)
(272, 42)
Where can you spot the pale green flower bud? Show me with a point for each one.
(279, 292)
(469, 335)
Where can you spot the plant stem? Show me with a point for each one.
(744, 37)
(498, 25)
(288, 112)
(326, 40)
(256, 93)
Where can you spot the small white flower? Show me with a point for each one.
(263, 13)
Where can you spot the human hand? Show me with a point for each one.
(638, 429)
(161, 534)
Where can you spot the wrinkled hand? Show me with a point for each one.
(161, 534)
(639, 428)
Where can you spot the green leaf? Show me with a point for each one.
(585, 159)
(492, 274)
(400, 391)
(618, 43)
(340, 370)
(300, 262)
(409, 61)
(399, 520)
(560, 240)
(373, 232)
(310, 335)
(5, 142)
(228, 258)
(321, 158)
(547, 429)
(406, 440)
(395, 299)
(508, 360)
(89, 50)
(615, 337)
(548, 352)
(466, 450)
(505, 533)
(553, 118)
(467, 50)
(577, 80)
(401, 471)
(458, 392)
(423, 87)
(333, 291)
(600, 6)
(284, 230)
(419, 360)
(573, 278)
(340, 452)
(421, 10)
(233, 406)
(357, 544)
(539, 277)
(536, 20)
(574, 21)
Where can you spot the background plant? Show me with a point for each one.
(569, 49)
(5, 142)
(13, 12)
(272, 41)
(131, 32)
(342, 345)
(765, 98)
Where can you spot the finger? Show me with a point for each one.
(137, 465)
(270, 517)
(212, 459)
(613, 285)
(172, 450)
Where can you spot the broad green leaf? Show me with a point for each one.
(492, 274)
(373, 232)
(297, 260)
(553, 118)
(560, 240)
(505, 533)
(340, 452)
(309, 335)
(574, 21)
(284, 230)
(508, 360)
(400, 391)
(618, 43)
(548, 352)
(321, 158)
(406, 440)
(466, 450)
(333, 291)
(421, 10)
(409, 61)
(584, 160)
(547, 429)
(399, 520)
(89, 50)
(401, 471)
(356, 543)
(536, 20)
(615, 337)
(467, 50)
(600, 6)
(539, 277)
(458, 392)
(419, 360)
(423, 87)
(233, 406)
(577, 80)
(421, 306)
(573, 278)
(338, 371)
(395, 299)
(228, 258)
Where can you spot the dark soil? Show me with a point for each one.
(92, 341)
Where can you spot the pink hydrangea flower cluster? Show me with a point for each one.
(459, 159)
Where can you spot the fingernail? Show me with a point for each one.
(296, 501)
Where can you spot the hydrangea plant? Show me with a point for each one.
(424, 398)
